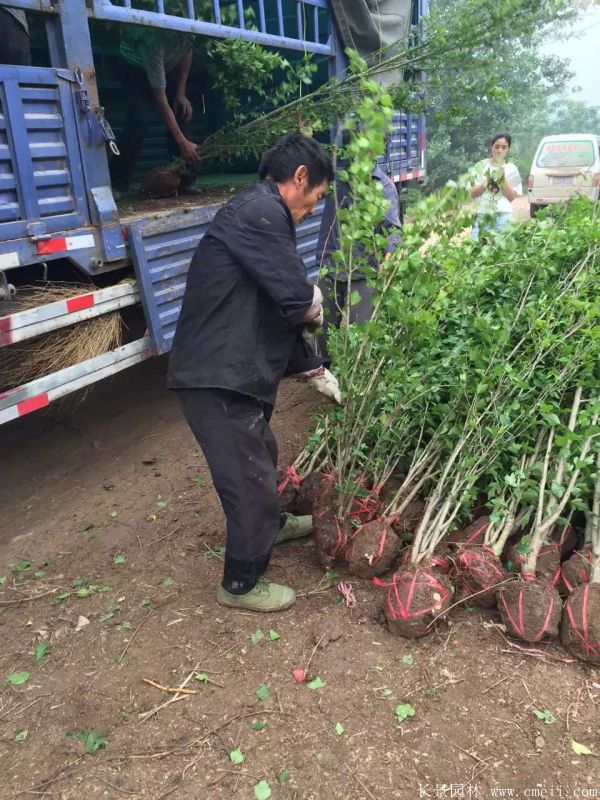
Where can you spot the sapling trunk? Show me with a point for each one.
(594, 526)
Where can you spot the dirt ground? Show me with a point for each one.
(109, 518)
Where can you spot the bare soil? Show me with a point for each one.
(120, 475)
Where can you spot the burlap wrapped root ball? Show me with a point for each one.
(479, 572)
(372, 549)
(547, 566)
(580, 627)
(530, 609)
(416, 598)
(576, 570)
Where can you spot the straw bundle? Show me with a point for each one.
(50, 352)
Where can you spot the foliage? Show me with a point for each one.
(509, 84)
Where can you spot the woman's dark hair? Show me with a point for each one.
(291, 151)
(506, 136)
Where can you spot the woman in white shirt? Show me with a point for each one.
(495, 183)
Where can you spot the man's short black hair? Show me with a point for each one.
(291, 151)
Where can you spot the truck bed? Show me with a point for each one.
(211, 191)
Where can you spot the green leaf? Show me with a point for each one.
(236, 756)
(145, 602)
(580, 749)
(113, 513)
(262, 791)
(87, 526)
(386, 692)
(2, 580)
(17, 678)
(315, 684)
(84, 592)
(124, 626)
(168, 582)
(355, 298)
(108, 487)
(339, 728)
(161, 503)
(408, 660)
(273, 636)
(119, 559)
(258, 725)
(377, 667)
(91, 740)
(284, 775)
(199, 480)
(62, 597)
(263, 692)
(545, 716)
(21, 566)
(43, 649)
(403, 711)
(39, 574)
(256, 637)
(202, 677)
(332, 576)
(21, 735)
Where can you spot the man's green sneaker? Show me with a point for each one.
(265, 596)
(294, 528)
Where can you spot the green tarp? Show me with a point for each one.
(368, 26)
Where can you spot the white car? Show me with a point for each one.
(564, 165)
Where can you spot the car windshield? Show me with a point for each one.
(567, 153)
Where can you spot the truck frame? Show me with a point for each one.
(56, 200)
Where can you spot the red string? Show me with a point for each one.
(403, 610)
(589, 647)
(341, 542)
(291, 474)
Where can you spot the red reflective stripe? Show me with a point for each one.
(83, 301)
(32, 404)
(415, 173)
(51, 246)
(6, 336)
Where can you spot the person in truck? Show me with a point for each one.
(154, 71)
(246, 301)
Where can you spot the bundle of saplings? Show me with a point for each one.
(473, 384)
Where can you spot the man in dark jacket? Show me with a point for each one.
(246, 300)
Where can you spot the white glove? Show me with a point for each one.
(328, 385)
(315, 312)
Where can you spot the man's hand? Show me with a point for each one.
(183, 108)
(189, 151)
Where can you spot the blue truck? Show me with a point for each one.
(57, 206)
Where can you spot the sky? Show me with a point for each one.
(584, 53)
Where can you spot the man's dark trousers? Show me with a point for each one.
(233, 431)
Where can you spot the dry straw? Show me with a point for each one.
(24, 362)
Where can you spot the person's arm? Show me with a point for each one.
(478, 181)
(155, 72)
(263, 243)
(183, 107)
(511, 186)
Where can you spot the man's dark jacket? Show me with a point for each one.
(244, 302)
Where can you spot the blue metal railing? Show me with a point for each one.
(271, 29)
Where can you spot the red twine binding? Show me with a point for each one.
(520, 626)
(468, 560)
(590, 648)
(403, 610)
(291, 474)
